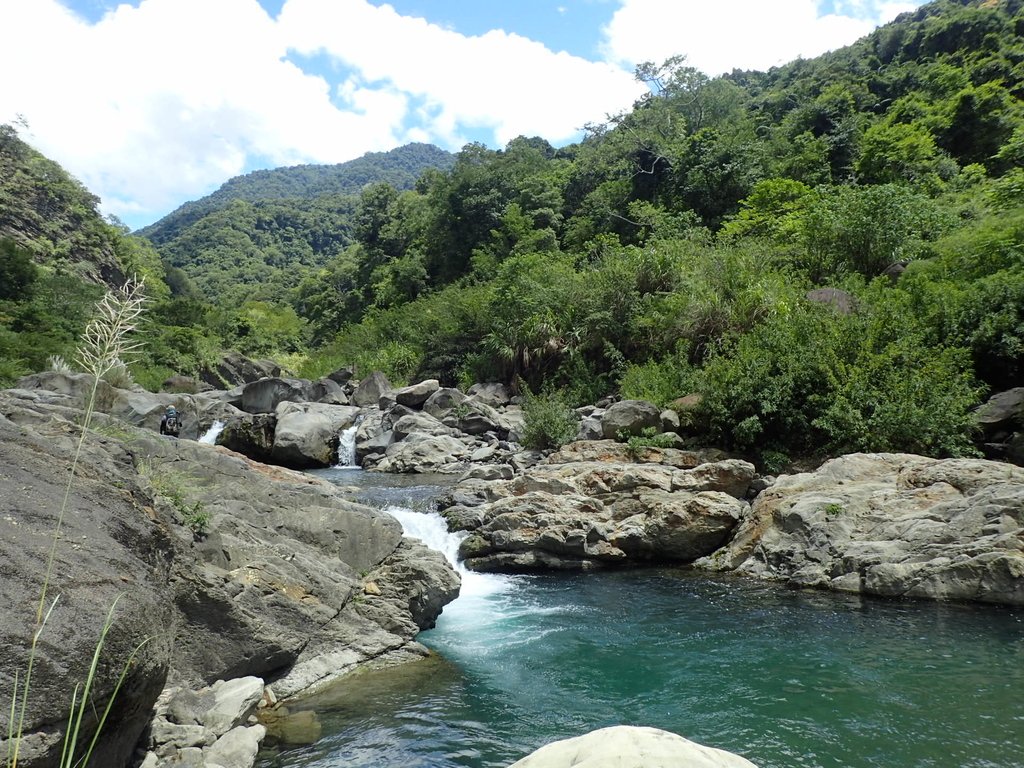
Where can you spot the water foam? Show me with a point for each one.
(210, 436)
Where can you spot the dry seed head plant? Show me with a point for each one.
(105, 347)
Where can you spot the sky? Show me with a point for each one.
(151, 103)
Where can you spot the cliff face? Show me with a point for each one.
(44, 209)
(290, 582)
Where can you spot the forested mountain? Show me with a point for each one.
(49, 214)
(57, 254)
(257, 235)
(825, 257)
(399, 167)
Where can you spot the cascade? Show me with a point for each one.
(347, 445)
(209, 437)
(477, 588)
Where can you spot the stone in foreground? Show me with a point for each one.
(625, 746)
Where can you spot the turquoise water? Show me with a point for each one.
(784, 678)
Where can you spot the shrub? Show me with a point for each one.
(549, 422)
(818, 382)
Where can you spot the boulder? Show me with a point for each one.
(266, 590)
(630, 417)
(265, 395)
(329, 392)
(184, 385)
(235, 369)
(582, 515)
(422, 453)
(590, 429)
(237, 748)
(494, 394)
(251, 435)
(233, 702)
(416, 395)
(342, 376)
(1002, 413)
(669, 421)
(624, 746)
(474, 418)
(896, 525)
(370, 390)
(442, 401)
(307, 433)
(111, 557)
(419, 423)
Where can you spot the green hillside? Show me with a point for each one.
(258, 234)
(400, 167)
(672, 251)
(57, 255)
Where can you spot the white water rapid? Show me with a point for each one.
(347, 446)
(210, 436)
(478, 589)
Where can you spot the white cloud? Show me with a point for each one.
(162, 102)
(498, 81)
(723, 35)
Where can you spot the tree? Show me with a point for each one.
(17, 272)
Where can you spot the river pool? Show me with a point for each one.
(785, 678)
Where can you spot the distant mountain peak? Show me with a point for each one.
(400, 167)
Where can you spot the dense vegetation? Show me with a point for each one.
(672, 252)
(739, 239)
(254, 236)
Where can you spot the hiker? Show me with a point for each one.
(170, 424)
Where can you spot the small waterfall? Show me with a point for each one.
(210, 436)
(347, 445)
(432, 530)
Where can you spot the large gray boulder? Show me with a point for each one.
(624, 746)
(419, 423)
(371, 389)
(607, 510)
(1001, 420)
(307, 433)
(889, 524)
(110, 555)
(231, 567)
(442, 401)
(474, 418)
(416, 395)
(630, 417)
(251, 435)
(265, 395)
(423, 453)
(494, 394)
(235, 369)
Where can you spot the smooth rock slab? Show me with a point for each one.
(624, 746)
(233, 702)
(237, 748)
(895, 525)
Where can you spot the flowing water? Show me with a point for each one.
(210, 436)
(347, 446)
(784, 678)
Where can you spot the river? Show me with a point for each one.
(785, 678)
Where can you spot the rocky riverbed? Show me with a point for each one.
(233, 566)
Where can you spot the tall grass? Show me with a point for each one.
(105, 347)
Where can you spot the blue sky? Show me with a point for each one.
(154, 102)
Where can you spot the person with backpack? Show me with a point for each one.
(170, 424)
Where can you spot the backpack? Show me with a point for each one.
(171, 422)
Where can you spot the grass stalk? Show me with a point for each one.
(105, 345)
